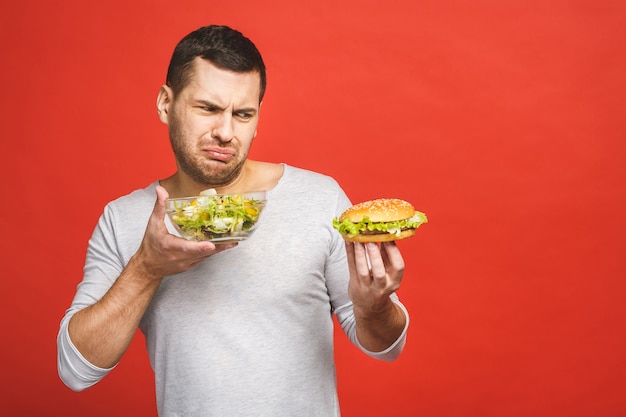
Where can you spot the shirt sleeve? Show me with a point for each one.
(345, 316)
(74, 370)
(102, 266)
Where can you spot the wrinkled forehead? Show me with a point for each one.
(206, 76)
(221, 86)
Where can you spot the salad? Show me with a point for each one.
(217, 217)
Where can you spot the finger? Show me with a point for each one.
(191, 247)
(350, 253)
(361, 262)
(156, 222)
(199, 249)
(378, 270)
(159, 204)
(202, 251)
(225, 246)
(392, 257)
(357, 260)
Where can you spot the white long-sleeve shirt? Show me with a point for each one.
(249, 331)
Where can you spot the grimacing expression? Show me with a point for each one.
(212, 123)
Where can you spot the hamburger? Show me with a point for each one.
(380, 220)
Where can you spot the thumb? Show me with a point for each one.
(159, 205)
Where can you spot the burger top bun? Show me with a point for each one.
(380, 210)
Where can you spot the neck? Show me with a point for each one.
(181, 185)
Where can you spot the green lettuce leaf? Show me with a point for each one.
(346, 227)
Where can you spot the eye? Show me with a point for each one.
(209, 109)
(244, 115)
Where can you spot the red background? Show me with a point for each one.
(504, 121)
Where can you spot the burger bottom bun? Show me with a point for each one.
(379, 237)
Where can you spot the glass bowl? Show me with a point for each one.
(218, 218)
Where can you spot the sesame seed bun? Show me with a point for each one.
(380, 210)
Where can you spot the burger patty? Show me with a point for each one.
(379, 232)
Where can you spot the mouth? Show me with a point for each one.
(219, 154)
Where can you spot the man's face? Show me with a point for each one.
(212, 122)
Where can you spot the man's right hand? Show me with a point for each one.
(162, 253)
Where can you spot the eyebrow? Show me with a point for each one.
(208, 103)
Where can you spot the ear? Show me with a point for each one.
(164, 102)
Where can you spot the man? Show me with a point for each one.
(233, 329)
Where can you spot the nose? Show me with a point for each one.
(223, 129)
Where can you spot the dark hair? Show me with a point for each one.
(224, 47)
